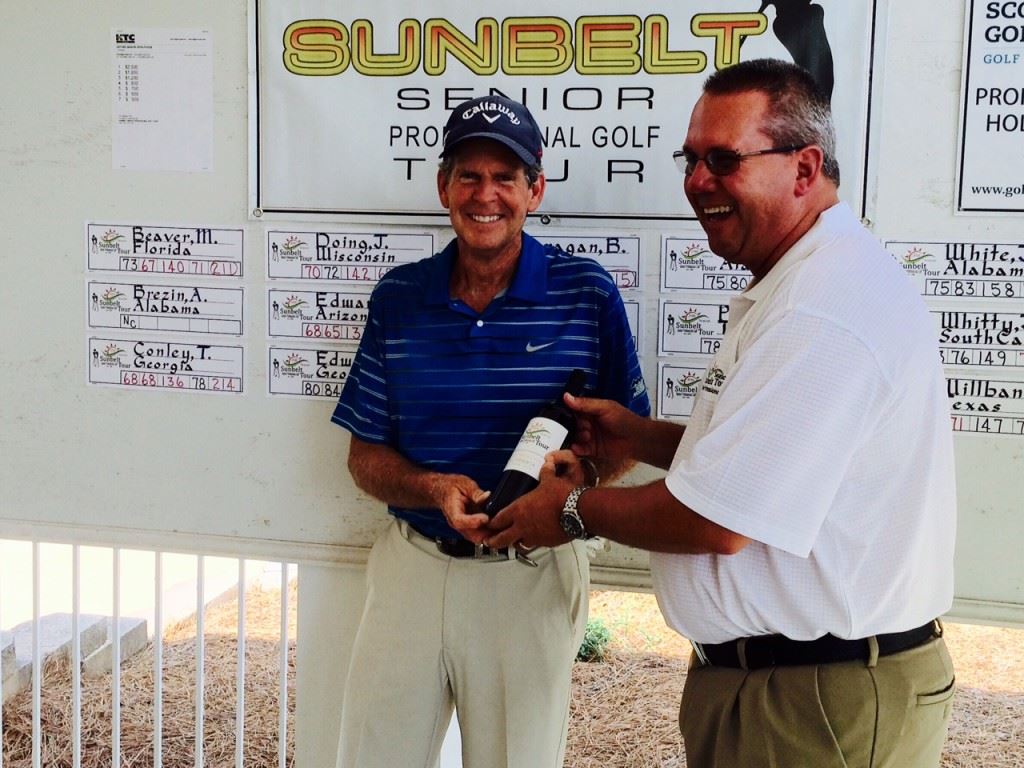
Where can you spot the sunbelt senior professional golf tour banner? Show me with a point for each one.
(352, 97)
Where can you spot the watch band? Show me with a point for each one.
(570, 518)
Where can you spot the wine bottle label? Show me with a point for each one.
(540, 438)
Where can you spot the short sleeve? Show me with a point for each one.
(362, 408)
(783, 432)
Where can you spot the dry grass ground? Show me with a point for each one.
(623, 709)
(262, 654)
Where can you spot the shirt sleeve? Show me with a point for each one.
(363, 407)
(785, 427)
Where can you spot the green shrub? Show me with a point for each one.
(595, 641)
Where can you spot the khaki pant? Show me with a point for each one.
(496, 640)
(847, 715)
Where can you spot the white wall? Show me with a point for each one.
(266, 477)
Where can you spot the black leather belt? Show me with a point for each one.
(779, 651)
(463, 547)
(466, 548)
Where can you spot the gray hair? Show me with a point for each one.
(799, 113)
(447, 165)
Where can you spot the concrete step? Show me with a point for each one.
(134, 638)
(54, 641)
(19, 677)
(55, 635)
(7, 653)
(9, 670)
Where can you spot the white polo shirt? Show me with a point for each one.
(822, 433)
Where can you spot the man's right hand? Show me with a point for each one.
(461, 500)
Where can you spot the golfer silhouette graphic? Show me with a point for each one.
(800, 27)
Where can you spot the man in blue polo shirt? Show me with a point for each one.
(459, 352)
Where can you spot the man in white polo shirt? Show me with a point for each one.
(803, 536)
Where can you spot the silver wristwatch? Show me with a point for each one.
(570, 519)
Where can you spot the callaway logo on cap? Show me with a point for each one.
(497, 118)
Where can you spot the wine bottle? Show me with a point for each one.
(552, 428)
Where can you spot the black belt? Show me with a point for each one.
(466, 548)
(463, 547)
(779, 651)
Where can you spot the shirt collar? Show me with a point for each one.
(530, 282)
(440, 274)
(830, 222)
(531, 279)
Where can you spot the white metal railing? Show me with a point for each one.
(76, 656)
(200, 656)
(2, 679)
(37, 671)
(158, 659)
(115, 664)
(159, 615)
(282, 687)
(240, 668)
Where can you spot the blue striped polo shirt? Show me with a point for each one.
(452, 389)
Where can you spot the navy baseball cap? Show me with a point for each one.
(497, 118)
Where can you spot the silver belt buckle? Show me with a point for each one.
(481, 552)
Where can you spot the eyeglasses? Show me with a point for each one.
(722, 162)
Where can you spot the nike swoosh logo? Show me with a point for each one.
(534, 347)
(489, 119)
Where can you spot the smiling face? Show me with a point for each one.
(751, 216)
(487, 195)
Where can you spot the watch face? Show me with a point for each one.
(572, 525)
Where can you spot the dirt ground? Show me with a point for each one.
(624, 708)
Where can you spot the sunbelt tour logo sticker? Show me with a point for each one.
(689, 257)
(108, 242)
(289, 249)
(685, 385)
(109, 299)
(691, 317)
(290, 308)
(293, 365)
(688, 322)
(108, 356)
(293, 304)
(916, 258)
